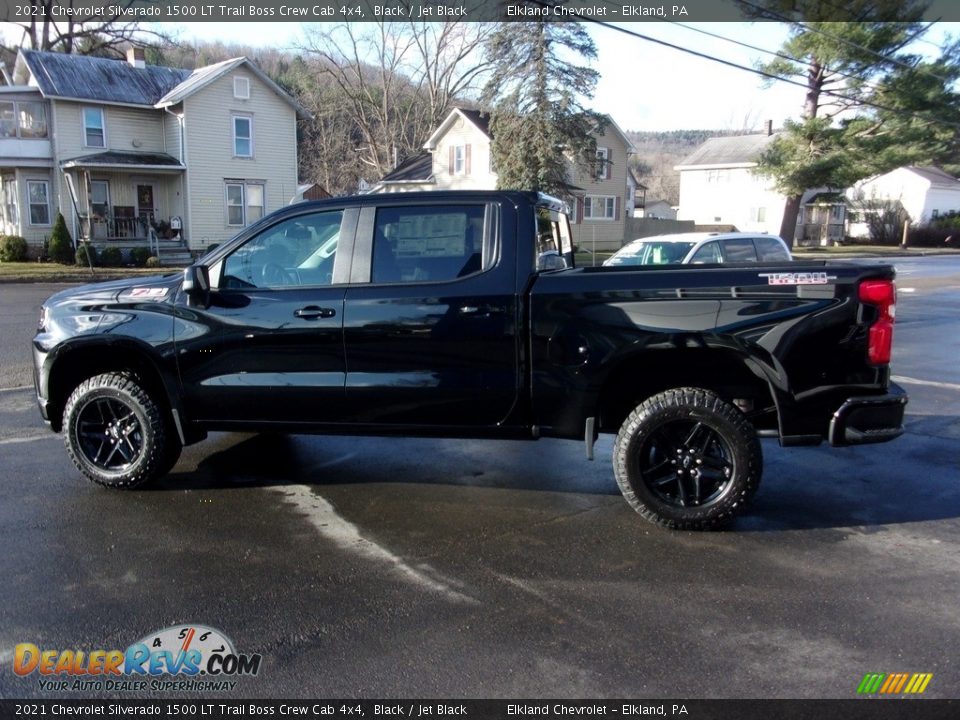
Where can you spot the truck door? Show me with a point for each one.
(270, 345)
(431, 317)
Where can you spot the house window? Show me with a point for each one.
(459, 159)
(23, 119)
(241, 88)
(8, 120)
(242, 136)
(93, 130)
(935, 214)
(599, 207)
(603, 163)
(32, 119)
(8, 200)
(245, 203)
(38, 194)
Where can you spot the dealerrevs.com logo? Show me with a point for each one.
(182, 657)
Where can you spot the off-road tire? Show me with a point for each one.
(729, 442)
(113, 412)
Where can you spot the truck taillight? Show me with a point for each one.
(881, 294)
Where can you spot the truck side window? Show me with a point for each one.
(739, 250)
(708, 253)
(427, 243)
(770, 249)
(298, 251)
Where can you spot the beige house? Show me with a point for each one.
(135, 154)
(457, 157)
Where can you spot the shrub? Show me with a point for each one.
(152, 262)
(82, 255)
(13, 248)
(139, 256)
(111, 257)
(932, 236)
(61, 245)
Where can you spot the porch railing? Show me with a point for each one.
(102, 228)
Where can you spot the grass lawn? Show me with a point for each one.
(54, 272)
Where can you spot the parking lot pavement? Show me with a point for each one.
(405, 568)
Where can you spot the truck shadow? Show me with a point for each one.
(911, 480)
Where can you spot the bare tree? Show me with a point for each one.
(398, 80)
(104, 34)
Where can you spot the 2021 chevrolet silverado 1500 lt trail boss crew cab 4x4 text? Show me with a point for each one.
(461, 314)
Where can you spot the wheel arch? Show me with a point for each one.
(731, 373)
(81, 359)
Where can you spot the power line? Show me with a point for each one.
(775, 53)
(808, 28)
(756, 71)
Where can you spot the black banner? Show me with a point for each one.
(299, 11)
(863, 709)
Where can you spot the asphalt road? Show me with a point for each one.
(421, 568)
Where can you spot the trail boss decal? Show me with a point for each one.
(154, 293)
(801, 278)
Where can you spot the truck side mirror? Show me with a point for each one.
(196, 285)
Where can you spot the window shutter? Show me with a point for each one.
(450, 170)
(580, 202)
(609, 165)
(466, 160)
(616, 207)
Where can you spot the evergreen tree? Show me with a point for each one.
(61, 245)
(870, 105)
(536, 96)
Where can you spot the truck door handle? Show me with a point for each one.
(312, 312)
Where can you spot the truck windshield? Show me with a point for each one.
(651, 252)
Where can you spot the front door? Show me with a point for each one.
(146, 208)
(270, 345)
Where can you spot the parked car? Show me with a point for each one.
(461, 314)
(701, 248)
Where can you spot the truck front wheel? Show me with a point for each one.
(115, 433)
(688, 460)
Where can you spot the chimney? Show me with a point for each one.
(136, 57)
(768, 127)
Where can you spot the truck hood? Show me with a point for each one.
(157, 288)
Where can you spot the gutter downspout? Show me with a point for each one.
(184, 177)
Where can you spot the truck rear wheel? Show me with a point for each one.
(115, 433)
(688, 460)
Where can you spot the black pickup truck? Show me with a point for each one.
(461, 314)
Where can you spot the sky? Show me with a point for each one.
(643, 86)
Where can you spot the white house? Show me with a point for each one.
(121, 147)
(457, 156)
(925, 193)
(719, 186)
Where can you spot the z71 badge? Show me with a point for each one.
(801, 278)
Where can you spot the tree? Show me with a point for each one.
(536, 97)
(870, 105)
(395, 81)
(104, 34)
(61, 244)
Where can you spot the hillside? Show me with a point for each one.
(657, 154)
